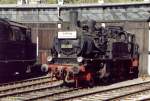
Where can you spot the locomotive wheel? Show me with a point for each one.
(89, 80)
(21, 72)
(134, 70)
(64, 73)
(69, 80)
(107, 80)
(114, 72)
(134, 73)
(57, 75)
(91, 83)
(122, 71)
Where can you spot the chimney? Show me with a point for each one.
(73, 19)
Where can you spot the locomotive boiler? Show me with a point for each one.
(88, 54)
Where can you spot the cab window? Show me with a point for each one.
(3, 32)
(28, 34)
(18, 34)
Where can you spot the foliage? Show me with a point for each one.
(8, 1)
(95, 1)
(72, 1)
(52, 1)
(123, 1)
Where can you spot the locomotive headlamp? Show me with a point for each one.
(49, 58)
(44, 68)
(79, 59)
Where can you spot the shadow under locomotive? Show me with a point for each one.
(89, 55)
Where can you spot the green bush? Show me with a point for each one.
(72, 1)
(8, 1)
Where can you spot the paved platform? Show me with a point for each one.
(126, 83)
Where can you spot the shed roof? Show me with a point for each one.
(101, 12)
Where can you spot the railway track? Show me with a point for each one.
(137, 96)
(26, 85)
(35, 94)
(136, 92)
(99, 93)
(53, 92)
(24, 81)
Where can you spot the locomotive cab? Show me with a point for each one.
(17, 51)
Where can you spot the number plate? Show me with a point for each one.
(66, 46)
(67, 35)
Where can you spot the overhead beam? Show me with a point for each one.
(76, 6)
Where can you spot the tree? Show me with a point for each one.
(52, 1)
(93, 1)
(72, 1)
(8, 1)
(123, 1)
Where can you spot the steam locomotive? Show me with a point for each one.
(17, 52)
(92, 55)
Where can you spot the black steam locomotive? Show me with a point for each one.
(94, 54)
(17, 52)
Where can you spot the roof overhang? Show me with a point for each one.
(101, 12)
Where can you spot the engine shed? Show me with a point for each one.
(44, 20)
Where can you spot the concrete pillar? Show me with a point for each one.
(140, 29)
(143, 66)
(149, 52)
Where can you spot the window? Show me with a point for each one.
(18, 34)
(28, 35)
(3, 32)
